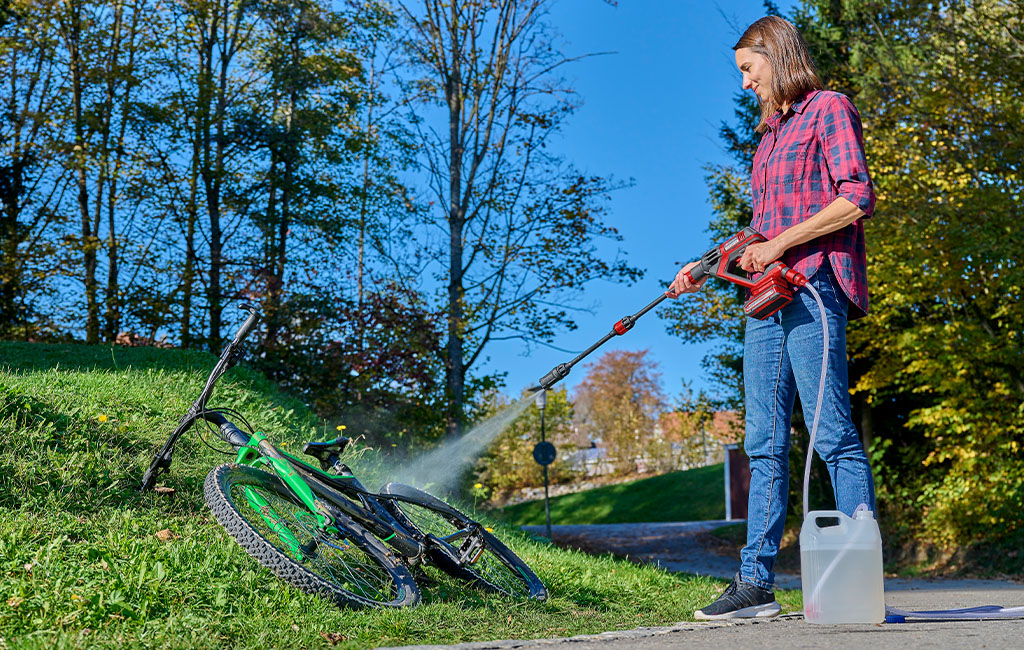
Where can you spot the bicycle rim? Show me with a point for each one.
(496, 568)
(276, 528)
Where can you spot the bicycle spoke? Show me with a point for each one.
(338, 561)
(488, 567)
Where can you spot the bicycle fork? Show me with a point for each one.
(257, 451)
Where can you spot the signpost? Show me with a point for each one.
(544, 453)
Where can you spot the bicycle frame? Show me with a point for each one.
(305, 481)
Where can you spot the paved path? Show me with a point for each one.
(677, 547)
(792, 632)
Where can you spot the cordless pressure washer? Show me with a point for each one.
(768, 294)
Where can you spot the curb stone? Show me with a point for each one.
(616, 635)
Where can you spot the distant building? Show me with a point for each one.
(691, 446)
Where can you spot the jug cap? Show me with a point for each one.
(863, 514)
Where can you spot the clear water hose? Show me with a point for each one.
(821, 395)
(816, 594)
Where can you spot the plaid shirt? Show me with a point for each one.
(803, 164)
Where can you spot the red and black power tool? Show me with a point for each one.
(768, 294)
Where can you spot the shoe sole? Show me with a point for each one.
(766, 610)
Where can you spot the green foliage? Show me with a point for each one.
(691, 495)
(83, 566)
(945, 339)
(372, 368)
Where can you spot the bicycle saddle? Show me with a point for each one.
(323, 451)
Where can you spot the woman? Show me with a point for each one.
(810, 190)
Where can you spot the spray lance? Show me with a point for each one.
(768, 294)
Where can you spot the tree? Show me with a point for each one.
(218, 33)
(31, 183)
(513, 226)
(945, 341)
(619, 402)
(303, 123)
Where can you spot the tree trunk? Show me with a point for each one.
(11, 188)
(72, 36)
(112, 316)
(455, 369)
(867, 426)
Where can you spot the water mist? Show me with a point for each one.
(439, 470)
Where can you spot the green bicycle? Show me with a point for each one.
(320, 530)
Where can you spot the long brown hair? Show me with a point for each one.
(793, 70)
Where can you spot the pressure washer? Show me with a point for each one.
(841, 565)
(768, 294)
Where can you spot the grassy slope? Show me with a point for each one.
(692, 495)
(82, 566)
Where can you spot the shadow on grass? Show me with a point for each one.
(52, 458)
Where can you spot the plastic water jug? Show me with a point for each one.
(841, 568)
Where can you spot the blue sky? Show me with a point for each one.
(651, 112)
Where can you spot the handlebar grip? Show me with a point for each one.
(249, 325)
(231, 434)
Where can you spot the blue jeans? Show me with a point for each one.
(782, 355)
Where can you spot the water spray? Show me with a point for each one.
(439, 470)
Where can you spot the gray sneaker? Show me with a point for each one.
(740, 600)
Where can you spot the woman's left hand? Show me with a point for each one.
(757, 257)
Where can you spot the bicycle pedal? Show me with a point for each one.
(471, 551)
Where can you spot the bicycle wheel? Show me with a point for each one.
(276, 528)
(460, 546)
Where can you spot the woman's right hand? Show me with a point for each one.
(682, 283)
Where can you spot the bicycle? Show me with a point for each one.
(320, 530)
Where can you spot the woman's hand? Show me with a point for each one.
(682, 283)
(757, 257)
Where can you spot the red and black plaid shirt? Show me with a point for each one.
(802, 164)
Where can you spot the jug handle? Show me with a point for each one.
(815, 515)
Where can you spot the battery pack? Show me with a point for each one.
(769, 295)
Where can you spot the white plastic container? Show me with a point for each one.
(841, 568)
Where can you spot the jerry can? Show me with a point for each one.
(841, 568)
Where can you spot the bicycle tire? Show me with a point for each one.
(497, 569)
(355, 570)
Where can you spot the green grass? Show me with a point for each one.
(691, 495)
(82, 566)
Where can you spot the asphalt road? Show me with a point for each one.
(674, 546)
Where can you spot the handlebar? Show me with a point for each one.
(226, 430)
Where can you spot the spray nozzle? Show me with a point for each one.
(542, 398)
(559, 372)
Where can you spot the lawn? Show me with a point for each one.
(84, 567)
(691, 495)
